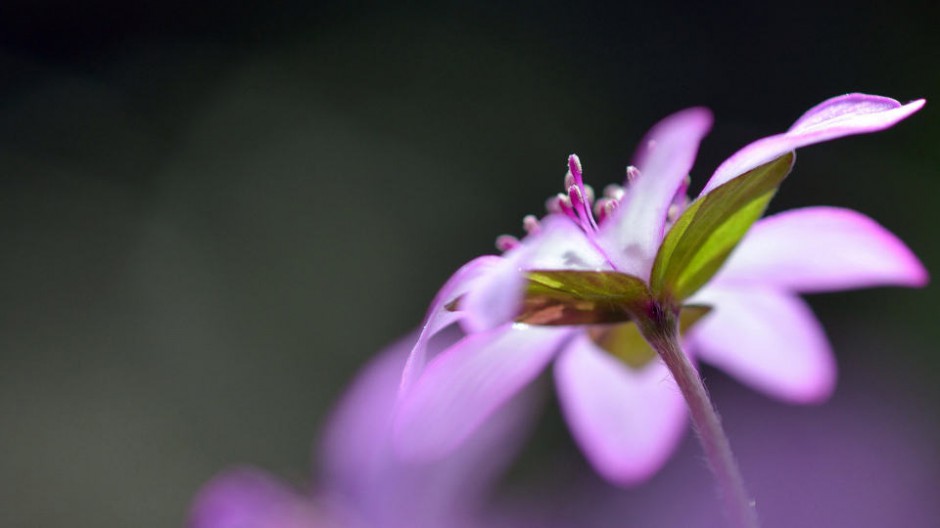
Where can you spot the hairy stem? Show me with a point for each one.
(661, 330)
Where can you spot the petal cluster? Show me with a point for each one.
(623, 408)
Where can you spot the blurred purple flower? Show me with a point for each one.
(855, 462)
(362, 483)
(626, 412)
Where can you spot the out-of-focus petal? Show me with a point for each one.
(837, 117)
(354, 446)
(496, 296)
(822, 249)
(769, 340)
(626, 421)
(250, 498)
(467, 383)
(664, 159)
(439, 317)
(364, 476)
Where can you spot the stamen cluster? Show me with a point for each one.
(579, 203)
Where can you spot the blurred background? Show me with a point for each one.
(212, 213)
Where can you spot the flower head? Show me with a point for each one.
(574, 289)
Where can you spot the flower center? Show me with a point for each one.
(578, 203)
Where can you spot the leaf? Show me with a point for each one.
(705, 234)
(625, 342)
(569, 297)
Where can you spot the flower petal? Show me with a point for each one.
(364, 475)
(496, 297)
(664, 159)
(626, 421)
(817, 249)
(355, 439)
(769, 340)
(439, 317)
(250, 498)
(841, 116)
(466, 383)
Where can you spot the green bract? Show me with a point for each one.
(567, 297)
(704, 235)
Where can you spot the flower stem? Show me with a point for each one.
(661, 330)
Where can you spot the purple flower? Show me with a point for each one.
(563, 294)
(363, 484)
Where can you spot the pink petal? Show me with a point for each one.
(626, 421)
(364, 475)
(822, 249)
(495, 298)
(467, 383)
(664, 159)
(438, 317)
(837, 117)
(355, 440)
(768, 340)
(250, 498)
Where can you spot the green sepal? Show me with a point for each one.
(625, 342)
(569, 297)
(708, 230)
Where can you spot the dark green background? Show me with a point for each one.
(211, 215)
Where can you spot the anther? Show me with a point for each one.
(604, 208)
(613, 191)
(632, 174)
(506, 242)
(531, 224)
(574, 165)
(672, 213)
(575, 196)
(569, 180)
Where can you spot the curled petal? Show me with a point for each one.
(439, 317)
(664, 159)
(467, 383)
(250, 498)
(627, 421)
(768, 340)
(837, 117)
(817, 249)
(496, 297)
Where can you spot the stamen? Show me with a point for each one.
(632, 174)
(588, 194)
(574, 165)
(578, 194)
(604, 208)
(614, 191)
(673, 213)
(565, 206)
(553, 205)
(506, 242)
(679, 201)
(531, 224)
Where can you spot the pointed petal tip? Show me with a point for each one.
(862, 112)
(842, 116)
(823, 248)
